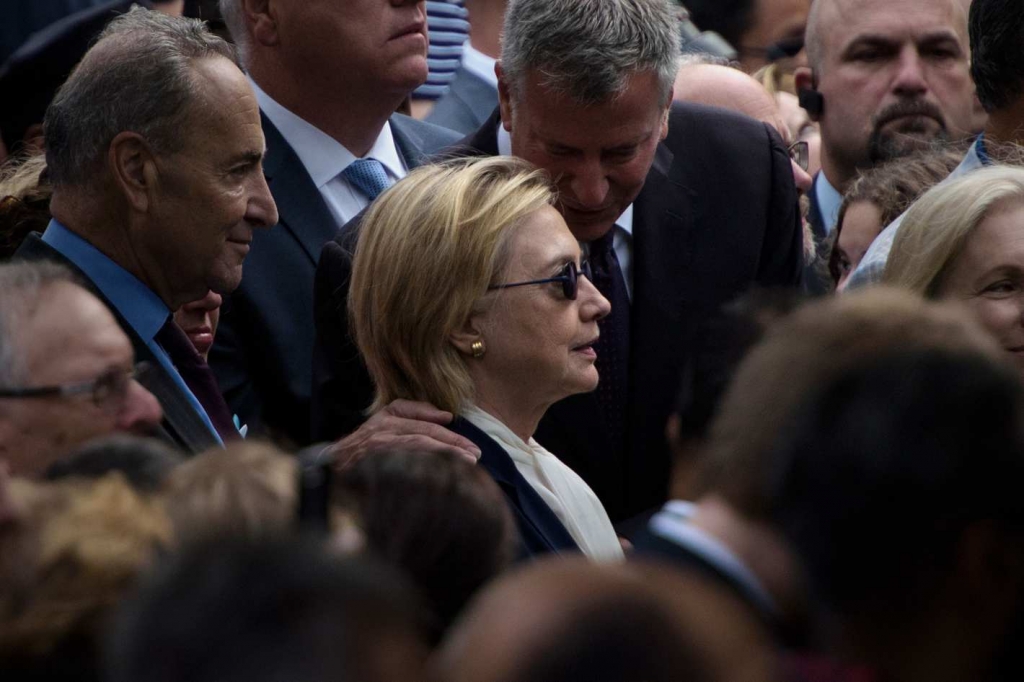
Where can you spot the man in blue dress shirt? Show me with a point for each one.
(154, 149)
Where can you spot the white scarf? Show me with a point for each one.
(568, 496)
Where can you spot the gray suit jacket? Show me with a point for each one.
(263, 352)
(467, 104)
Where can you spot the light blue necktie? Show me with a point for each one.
(368, 176)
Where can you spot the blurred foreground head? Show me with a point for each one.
(281, 610)
(898, 484)
(565, 620)
(69, 552)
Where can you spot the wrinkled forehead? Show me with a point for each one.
(840, 22)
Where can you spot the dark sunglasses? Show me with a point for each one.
(569, 277)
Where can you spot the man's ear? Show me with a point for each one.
(465, 336)
(807, 92)
(504, 97)
(133, 168)
(260, 17)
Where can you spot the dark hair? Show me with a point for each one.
(441, 520)
(996, 30)
(893, 187)
(144, 462)
(724, 340)
(731, 19)
(287, 610)
(881, 468)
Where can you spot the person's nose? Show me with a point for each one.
(589, 185)
(141, 412)
(593, 305)
(261, 210)
(801, 178)
(909, 80)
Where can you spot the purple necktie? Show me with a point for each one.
(198, 377)
(613, 346)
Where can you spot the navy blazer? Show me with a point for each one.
(717, 214)
(263, 351)
(182, 426)
(540, 530)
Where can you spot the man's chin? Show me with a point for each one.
(896, 144)
(587, 227)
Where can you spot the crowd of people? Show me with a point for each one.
(512, 340)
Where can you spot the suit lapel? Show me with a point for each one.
(529, 506)
(303, 212)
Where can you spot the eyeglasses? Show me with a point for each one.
(569, 277)
(104, 391)
(800, 153)
(788, 47)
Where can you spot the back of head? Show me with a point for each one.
(283, 610)
(589, 48)
(404, 301)
(729, 88)
(441, 520)
(881, 469)
(249, 490)
(568, 620)
(936, 227)
(137, 77)
(799, 353)
(996, 29)
(68, 559)
(144, 462)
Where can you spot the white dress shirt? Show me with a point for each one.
(622, 242)
(561, 488)
(325, 158)
(829, 200)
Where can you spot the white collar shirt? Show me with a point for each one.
(325, 158)
(479, 64)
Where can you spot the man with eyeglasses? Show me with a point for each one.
(67, 372)
(679, 208)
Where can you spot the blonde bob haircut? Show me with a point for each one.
(428, 248)
(936, 228)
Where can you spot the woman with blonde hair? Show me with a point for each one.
(468, 292)
(964, 240)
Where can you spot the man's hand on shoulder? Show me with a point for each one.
(404, 426)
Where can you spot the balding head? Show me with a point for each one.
(729, 88)
(573, 619)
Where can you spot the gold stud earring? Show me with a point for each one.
(478, 349)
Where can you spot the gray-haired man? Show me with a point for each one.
(681, 207)
(66, 369)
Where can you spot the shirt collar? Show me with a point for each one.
(829, 200)
(981, 151)
(624, 221)
(479, 64)
(323, 157)
(136, 302)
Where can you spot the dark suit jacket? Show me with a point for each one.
(467, 104)
(182, 426)
(539, 529)
(717, 214)
(262, 355)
